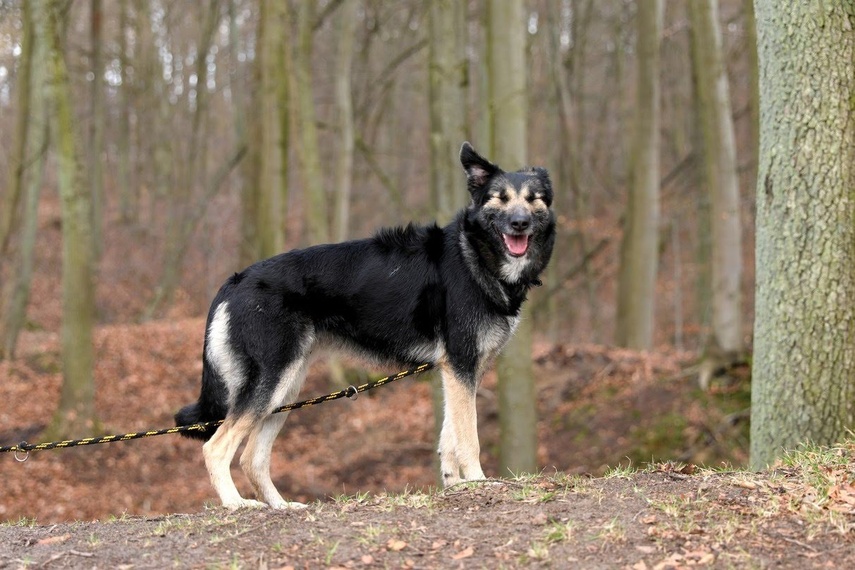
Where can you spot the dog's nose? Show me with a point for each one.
(520, 221)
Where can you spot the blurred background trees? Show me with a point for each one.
(216, 133)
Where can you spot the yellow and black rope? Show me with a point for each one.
(349, 392)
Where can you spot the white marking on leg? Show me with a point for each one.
(459, 447)
(218, 453)
(255, 460)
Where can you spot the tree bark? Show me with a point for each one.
(12, 198)
(95, 148)
(803, 386)
(639, 250)
(30, 95)
(75, 415)
(447, 80)
(713, 93)
(308, 150)
(508, 107)
(344, 105)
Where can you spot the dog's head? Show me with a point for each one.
(513, 213)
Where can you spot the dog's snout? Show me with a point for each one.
(520, 221)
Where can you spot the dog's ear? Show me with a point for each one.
(478, 169)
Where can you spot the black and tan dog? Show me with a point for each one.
(450, 296)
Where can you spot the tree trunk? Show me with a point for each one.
(30, 95)
(75, 415)
(447, 78)
(639, 250)
(344, 104)
(127, 197)
(95, 148)
(804, 335)
(12, 198)
(313, 176)
(507, 104)
(270, 190)
(713, 93)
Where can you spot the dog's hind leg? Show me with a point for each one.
(459, 450)
(219, 451)
(255, 460)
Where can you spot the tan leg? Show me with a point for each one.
(459, 449)
(219, 451)
(255, 462)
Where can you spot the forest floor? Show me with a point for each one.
(620, 436)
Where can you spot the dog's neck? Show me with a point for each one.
(506, 293)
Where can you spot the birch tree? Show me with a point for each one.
(803, 386)
(639, 249)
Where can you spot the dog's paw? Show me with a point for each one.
(288, 505)
(245, 504)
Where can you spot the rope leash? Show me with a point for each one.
(349, 392)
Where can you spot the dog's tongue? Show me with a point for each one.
(517, 245)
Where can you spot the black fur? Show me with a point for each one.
(394, 297)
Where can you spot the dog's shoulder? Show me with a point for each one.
(412, 239)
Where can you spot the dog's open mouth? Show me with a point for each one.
(517, 245)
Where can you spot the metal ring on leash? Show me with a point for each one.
(352, 392)
(26, 453)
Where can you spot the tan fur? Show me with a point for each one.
(459, 450)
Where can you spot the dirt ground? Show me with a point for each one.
(365, 468)
(655, 519)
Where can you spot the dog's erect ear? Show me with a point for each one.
(478, 169)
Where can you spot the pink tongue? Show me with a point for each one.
(516, 244)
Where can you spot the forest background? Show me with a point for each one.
(205, 135)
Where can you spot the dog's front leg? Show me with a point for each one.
(459, 450)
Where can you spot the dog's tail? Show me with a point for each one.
(207, 409)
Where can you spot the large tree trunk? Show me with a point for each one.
(804, 334)
(639, 250)
(726, 343)
(75, 415)
(508, 107)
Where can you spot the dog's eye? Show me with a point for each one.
(502, 197)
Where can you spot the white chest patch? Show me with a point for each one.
(512, 268)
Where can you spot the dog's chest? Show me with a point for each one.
(494, 333)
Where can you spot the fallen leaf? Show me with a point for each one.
(640, 565)
(396, 545)
(54, 539)
(367, 559)
(466, 553)
(646, 549)
(437, 544)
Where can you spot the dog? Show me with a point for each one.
(449, 296)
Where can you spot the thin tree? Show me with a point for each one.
(508, 108)
(347, 20)
(803, 383)
(639, 249)
(75, 415)
(447, 78)
(95, 146)
(28, 174)
(719, 145)
(308, 149)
